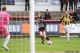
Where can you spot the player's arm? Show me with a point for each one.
(71, 18)
(61, 19)
(74, 23)
(44, 24)
(37, 21)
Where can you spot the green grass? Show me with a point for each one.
(21, 45)
(16, 45)
(59, 44)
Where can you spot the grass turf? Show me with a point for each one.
(21, 45)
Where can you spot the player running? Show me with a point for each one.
(4, 22)
(42, 28)
(66, 19)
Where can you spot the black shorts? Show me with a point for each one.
(42, 29)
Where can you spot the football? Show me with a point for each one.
(49, 42)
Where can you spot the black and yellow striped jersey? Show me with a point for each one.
(66, 19)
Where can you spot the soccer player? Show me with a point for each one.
(65, 19)
(42, 28)
(4, 21)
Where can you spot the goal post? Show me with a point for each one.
(32, 30)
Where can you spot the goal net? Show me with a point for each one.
(18, 27)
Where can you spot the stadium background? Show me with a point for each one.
(20, 18)
(19, 28)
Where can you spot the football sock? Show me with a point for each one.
(42, 38)
(68, 37)
(6, 40)
(47, 38)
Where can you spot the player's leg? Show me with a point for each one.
(42, 38)
(67, 33)
(67, 36)
(7, 38)
(5, 34)
(45, 36)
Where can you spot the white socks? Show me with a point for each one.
(67, 35)
(6, 40)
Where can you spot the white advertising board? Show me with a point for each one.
(42, 5)
(74, 29)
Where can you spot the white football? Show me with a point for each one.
(49, 42)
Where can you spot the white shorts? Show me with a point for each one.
(66, 28)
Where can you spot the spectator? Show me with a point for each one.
(66, 4)
(70, 5)
(47, 15)
(27, 6)
(61, 4)
(79, 1)
(77, 14)
(75, 4)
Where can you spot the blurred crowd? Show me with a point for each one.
(71, 3)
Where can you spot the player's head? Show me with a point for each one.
(39, 14)
(4, 8)
(66, 13)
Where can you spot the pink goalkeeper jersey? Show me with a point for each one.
(4, 18)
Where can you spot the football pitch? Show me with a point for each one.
(21, 45)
